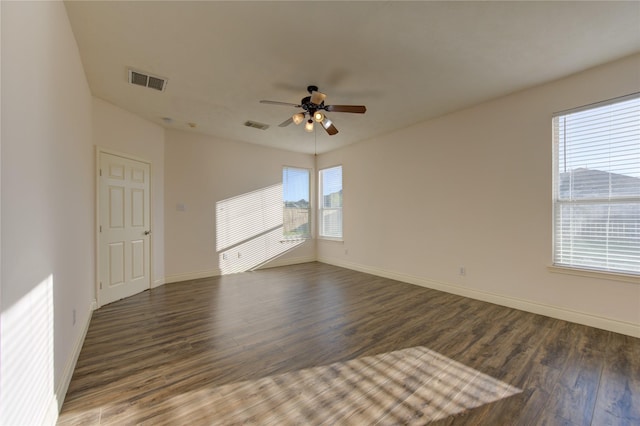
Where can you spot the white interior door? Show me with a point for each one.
(125, 230)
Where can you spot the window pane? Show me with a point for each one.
(599, 151)
(332, 187)
(597, 187)
(590, 184)
(295, 197)
(599, 235)
(331, 202)
(332, 223)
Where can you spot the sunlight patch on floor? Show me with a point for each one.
(413, 385)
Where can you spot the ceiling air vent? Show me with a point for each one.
(147, 80)
(256, 125)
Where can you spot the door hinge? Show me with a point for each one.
(100, 172)
(100, 228)
(100, 285)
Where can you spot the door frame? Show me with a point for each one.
(99, 151)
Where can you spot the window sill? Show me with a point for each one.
(294, 239)
(337, 240)
(629, 278)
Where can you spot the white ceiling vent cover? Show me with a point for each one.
(140, 78)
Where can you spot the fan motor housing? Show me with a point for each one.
(309, 106)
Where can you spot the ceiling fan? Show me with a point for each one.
(313, 107)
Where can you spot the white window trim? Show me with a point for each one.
(336, 239)
(578, 270)
(593, 273)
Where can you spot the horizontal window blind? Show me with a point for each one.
(597, 186)
(331, 202)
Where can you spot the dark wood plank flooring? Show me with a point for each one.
(318, 344)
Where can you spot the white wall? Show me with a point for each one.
(200, 173)
(47, 200)
(118, 130)
(473, 189)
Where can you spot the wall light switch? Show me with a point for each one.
(180, 207)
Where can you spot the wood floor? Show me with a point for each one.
(316, 344)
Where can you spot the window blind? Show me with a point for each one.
(597, 186)
(331, 202)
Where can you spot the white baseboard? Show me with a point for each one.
(622, 327)
(191, 276)
(288, 261)
(61, 390)
(216, 272)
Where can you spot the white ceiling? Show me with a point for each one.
(406, 61)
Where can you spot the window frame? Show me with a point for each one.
(321, 207)
(608, 201)
(309, 234)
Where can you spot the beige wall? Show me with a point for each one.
(47, 204)
(200, 174)
(473, 189)
(120, 131)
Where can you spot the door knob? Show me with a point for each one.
(147, 232)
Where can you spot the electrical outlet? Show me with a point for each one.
(462, 271)
(346, 251)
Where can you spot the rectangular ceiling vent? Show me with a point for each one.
(256, 125)
(147, 80)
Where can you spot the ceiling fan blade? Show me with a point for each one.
(329, 127)
(280, 103)
(357, 109)
(286, 122)
(317, 97)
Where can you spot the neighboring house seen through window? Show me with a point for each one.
(597, 186)
(330, 214)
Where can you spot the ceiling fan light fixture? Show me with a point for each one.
(317, 97)
(314, 108)
(297, 118)
(309, 126)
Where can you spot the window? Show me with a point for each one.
(295, 200)
(331, 202)
(597, 186)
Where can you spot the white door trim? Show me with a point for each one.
(99, 151)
